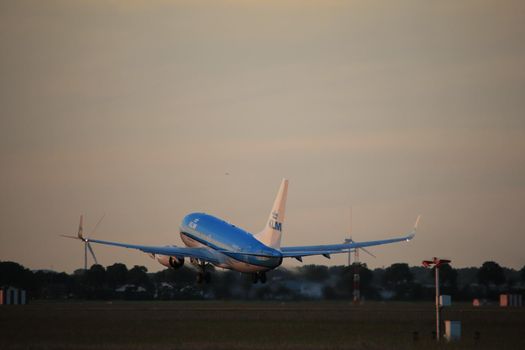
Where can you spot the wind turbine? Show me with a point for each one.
(357, 264)
(87, 246)
(355, 250)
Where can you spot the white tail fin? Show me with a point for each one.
(271, 234)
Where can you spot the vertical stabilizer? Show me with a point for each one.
(271, 234)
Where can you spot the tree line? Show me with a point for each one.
(399, 281)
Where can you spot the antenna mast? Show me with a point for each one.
(350, 237)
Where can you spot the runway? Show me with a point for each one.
(253, 325)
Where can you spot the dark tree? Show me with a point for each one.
(116, 275)
(398, 278)
(183, 275)
(314, 273)
(491, 273)
(283, 274)
(53, 285)
(366, 278)
(448, 278)
(96, 276)
(14, 274)
(397, 274)
(345, 283)
(138, 276)
(224, 283)
(522, 273)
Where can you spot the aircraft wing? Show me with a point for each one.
(300, 251)
(197, 253)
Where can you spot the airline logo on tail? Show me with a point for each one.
(274, 224)
(271, 234)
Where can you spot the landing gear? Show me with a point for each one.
(262, 277)
(259, 276)
(203, 276)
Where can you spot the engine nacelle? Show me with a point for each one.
(171, 261)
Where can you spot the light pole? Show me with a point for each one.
(436, 262)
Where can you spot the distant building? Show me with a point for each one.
(130, 288)
(514, 300)
(132, 292)
(12, 296)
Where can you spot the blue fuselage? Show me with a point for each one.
(236, 248)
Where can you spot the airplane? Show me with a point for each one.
(211, 240)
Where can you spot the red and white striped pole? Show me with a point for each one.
(436, 262)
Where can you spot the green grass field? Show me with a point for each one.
(251, 325)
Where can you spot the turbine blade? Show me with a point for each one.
(98, 223)
(80, 229)
(368, 252)
(417, 222)
(92, 252)
(69, 236)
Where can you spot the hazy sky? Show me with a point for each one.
(137, 109)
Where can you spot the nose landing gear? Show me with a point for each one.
(259, 277)
(203, 276)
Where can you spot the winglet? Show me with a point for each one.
(413, 233)
(417, 222)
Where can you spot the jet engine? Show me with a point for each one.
(171, 261)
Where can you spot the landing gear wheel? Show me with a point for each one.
(262, 277)
(200, 278)
(255, 278)
(207, 277)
